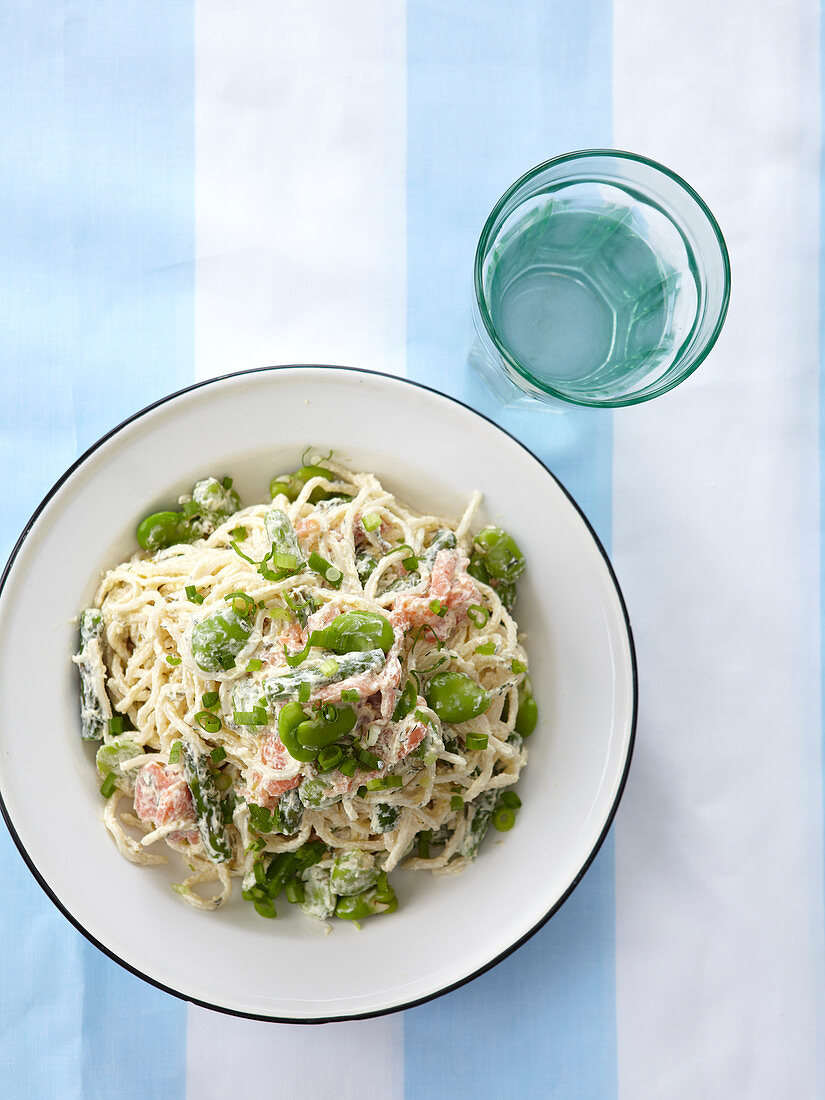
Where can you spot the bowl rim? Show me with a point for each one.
(27, 529)
(480, 301)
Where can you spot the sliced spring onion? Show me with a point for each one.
(218, 754)
(475, 742)
(349, 767)
(361, 791)
(383, 782)
(294, 891)
(424, 838)
(209, 723)
(255, 717)
(409, 561)
(368, 759)
(438, 608)
(116, 724)
(173, 661)
(283, 562)
(487, 648)
(330, 757)
(331, 573)
(295, 659)
(210, 699)
(456, 802)
(504, 819)
(350, 695)
(223, 781)
(239, 533)
(193, 595)
(510, 799)
(477, 615)
(328, 712)
(303, 692)
(227, 483)
(255, 665)
(227, 663)
(518, 666)
(329, 667)
(108, 785)
(174, 753)
(242, 603)
(264, 909)
(371, 521)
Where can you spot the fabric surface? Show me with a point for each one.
(192, 187)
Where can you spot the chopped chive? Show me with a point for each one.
(174, 661)
(371, 521)
(349, 695)
(511, 800)
(361, 791)
(116, 724)
(475, 742)
(210, 699)
(456, 802)
(477, 615)
(209, 723)
(518, 666)
(255, 665)
(239, 532)
(218, 754)
(227, 483)
(438, 608)
(174, 753)
(223, 781)
(108, 785)
(193, 594)
(504, 819)
(349, 767)
(486, 648)
(330, 757)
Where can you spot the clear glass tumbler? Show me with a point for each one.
(601, 279)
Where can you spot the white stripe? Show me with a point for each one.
(301, 177)
(229, 1057)
(301, 257)
(719, 861)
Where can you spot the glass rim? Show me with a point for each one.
(481, 302)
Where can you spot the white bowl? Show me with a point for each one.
(431, 451)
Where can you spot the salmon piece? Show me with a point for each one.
(264, 788)
(162, 797)
(450, 584)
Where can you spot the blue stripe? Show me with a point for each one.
(492, 90)
(97, 295)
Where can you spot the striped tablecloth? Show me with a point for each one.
(191, 187)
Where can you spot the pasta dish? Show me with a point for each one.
(307, 693)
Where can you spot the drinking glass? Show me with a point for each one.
(601, 279)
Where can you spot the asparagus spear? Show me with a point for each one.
(207, 801)
(95, 708)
